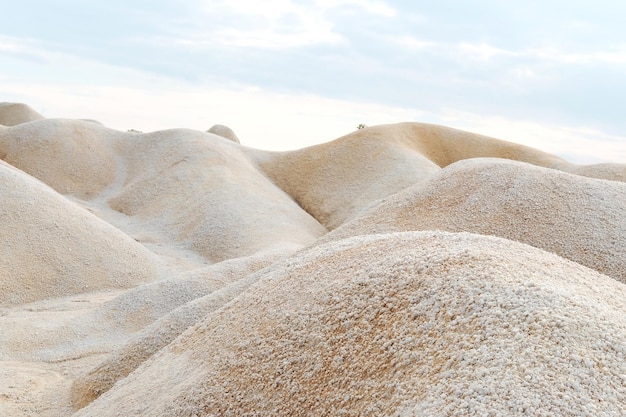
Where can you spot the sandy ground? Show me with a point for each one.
(181, 273)
(30, 386)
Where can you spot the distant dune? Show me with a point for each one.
(400, 270)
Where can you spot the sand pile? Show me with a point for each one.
(156, 336)
(334, 181)
(433, 324)
(180, 273)
(203, 191)
(53, 248)
(544, 208)
(71, 156)
(12, 114)
(225, 132)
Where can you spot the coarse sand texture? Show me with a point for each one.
(400, 270)
(434, 324)
(12, 114)
(52, 248)
(579, 218)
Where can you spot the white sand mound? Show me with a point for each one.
(141, 306)
(334, 181)
(97, 323)
(75, 328)
(150, 340)
(432, 324)
(71, 156)
(193, 188)
(131, 266)
(52, 248)
(225, 132)
(609, 171)
(203, 191)
(445, 146)
(579, 218)
(12, 114)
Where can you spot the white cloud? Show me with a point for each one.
(524, 73)
(268, 24)
(555, 54)
(600, 57)
(25, 48)
(276, 9)
(9, 45)
(275, 23)
(409, 42)
(482, 51)
(267, 38)
(267, 9)
(379, 8)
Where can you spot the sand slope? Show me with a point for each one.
(12, 114)
(334, 181)
(436, 324)
(202, 190)
(71, 156)
(538, 206)
(180, 273)
(53, 248)
(160, 333)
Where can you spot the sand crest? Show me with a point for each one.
(334, 181)
(12, 114)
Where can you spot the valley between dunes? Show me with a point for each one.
(400, 270)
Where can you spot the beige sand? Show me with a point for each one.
(180, 273)
(53, 248)
(334, 181)
(544, 208)
(12, 114)
(225, 132)
(434, 324)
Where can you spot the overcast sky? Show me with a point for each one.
(287, 74)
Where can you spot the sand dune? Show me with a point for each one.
(12, 114)
(334, 181)
(70, 156)
(154, 337)
(202, 190)
(452, 324)
(225, 132)
(181, 273)
(544, 208)
(53, 248)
